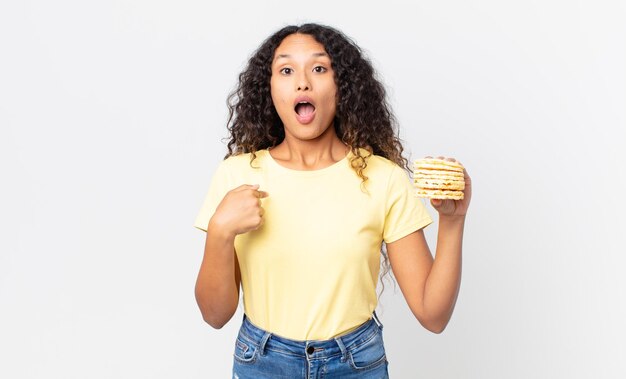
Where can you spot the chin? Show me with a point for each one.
(308, 137)
(306, 134)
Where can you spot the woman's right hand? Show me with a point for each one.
(240, 210)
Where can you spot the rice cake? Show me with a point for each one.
(438, 179)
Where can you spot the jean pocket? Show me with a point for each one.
(369, 354)
(245, 351)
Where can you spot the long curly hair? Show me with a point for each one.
(363, 118)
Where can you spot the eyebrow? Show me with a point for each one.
(315, 55)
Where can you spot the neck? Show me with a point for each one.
(310, 154)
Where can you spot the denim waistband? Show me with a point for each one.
(312, 349)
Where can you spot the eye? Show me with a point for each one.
(286, 71)
(319, 69)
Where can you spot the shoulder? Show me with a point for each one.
(244, 161)
(238, 169)
(382, 167)
(243, 169)
(380, 163)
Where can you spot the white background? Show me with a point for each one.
(111, 116)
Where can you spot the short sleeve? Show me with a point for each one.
(405, 212)
(219, 186)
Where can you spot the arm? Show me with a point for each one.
(217, 285)
(429, 286)
(219, 278)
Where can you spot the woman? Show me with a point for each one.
(313, 185)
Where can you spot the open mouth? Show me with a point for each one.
(305, 110)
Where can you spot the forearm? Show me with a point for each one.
(443, 282)
(217, 292)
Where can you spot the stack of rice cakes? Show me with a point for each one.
(438, 179)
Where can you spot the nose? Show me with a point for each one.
(303, 82)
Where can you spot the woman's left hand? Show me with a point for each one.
(454, 207)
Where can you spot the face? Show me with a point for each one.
(303, 87)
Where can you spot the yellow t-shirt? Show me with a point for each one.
(310, 271)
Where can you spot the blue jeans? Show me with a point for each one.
(358, 354)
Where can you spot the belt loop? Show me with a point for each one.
(342, 347)
(375, 317)
(266, 337)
